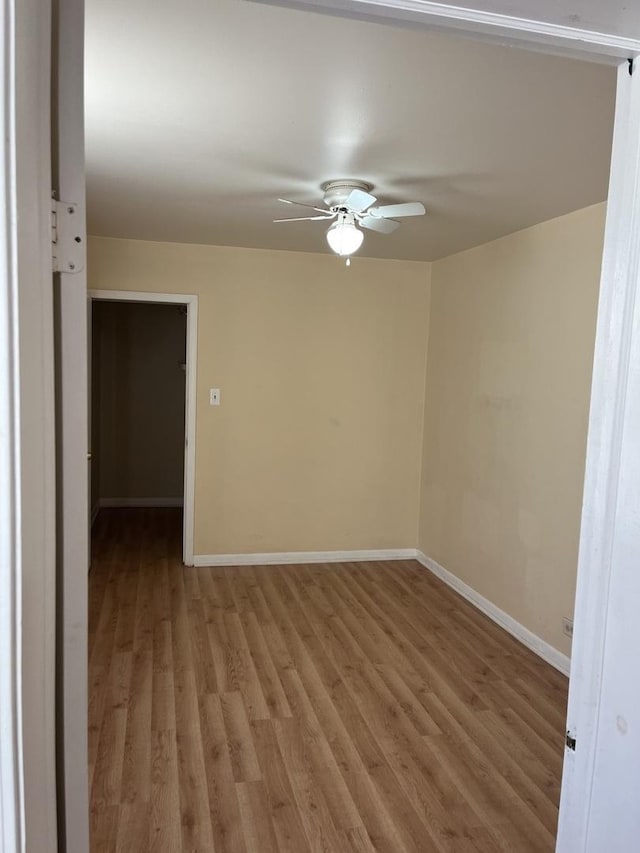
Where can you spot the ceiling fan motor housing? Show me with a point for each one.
(337, 192)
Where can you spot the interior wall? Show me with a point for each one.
(139, 402)
(317, 441)
(336, 432)
(506, 410)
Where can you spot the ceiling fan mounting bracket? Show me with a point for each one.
(337, 192)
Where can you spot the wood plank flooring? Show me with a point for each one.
(354, 707)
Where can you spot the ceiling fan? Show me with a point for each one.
(350, 204)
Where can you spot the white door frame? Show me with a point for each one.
(520, 28)
(72, 497)
(28, 795)
(191, 302)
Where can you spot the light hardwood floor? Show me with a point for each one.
(354, 707)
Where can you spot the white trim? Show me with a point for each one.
(543, 649)
(28, 819)
(139, 502)
(281, 558)
(72, 410)
(191, 301)
(11, 757)
(609, 515)
(498, 28)
(188, 521)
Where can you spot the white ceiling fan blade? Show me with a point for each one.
(358, 200)
(410, 208)
(384, 226)
(304, 219)
(302, 204)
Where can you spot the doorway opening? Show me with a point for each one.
(142, 405)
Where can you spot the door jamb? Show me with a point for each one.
(28, 792)
(604, 513)
(514, 30)
(191, 301)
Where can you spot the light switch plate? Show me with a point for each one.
(214, 396)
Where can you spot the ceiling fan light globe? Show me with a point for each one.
(344, 238)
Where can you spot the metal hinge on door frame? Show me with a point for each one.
(570, 740)
(67, 237)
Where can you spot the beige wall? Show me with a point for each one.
(336, 431)
(138, 398)
(508, 382)
(321, 368)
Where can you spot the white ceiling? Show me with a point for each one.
(200, 114)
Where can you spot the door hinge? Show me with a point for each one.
(570, 741)
(67, 237)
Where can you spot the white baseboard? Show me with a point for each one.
(139, 502)
(271, 558)
(543, 649)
